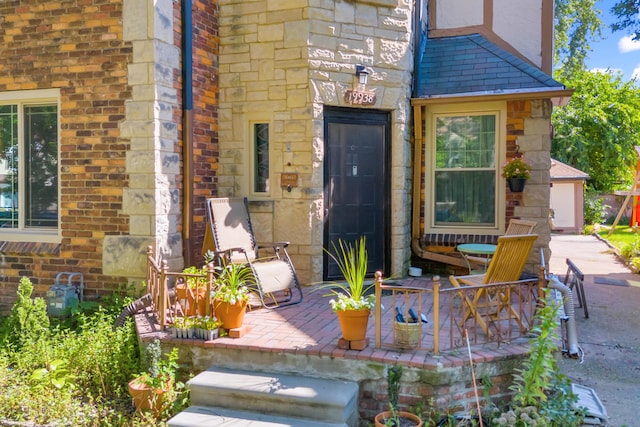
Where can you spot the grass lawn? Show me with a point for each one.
(622, 235)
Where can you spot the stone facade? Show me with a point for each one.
(283, 62)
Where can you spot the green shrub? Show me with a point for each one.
(595, 210)
(72, 371)
(543, 395)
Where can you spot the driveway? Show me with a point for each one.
(610, 337)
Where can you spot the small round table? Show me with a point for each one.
(483, 249)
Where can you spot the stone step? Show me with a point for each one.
(197, 416)
(329, 401)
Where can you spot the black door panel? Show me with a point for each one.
(356, 184)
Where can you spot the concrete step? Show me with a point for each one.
(328, 401)
(197, 416)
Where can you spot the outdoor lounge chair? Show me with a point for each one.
(505, 267)
(230, 236)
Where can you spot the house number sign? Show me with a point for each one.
(356, 97)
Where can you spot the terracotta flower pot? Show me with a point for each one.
(353, 323)
(145, 398)
(407, 419)
(197, 307)
(231, 315)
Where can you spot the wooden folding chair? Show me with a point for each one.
(506, 268)
(230, 235)
(520, 226)
(515, 227)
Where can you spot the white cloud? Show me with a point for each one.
(626, 44)
(609, 70)
(636, 73)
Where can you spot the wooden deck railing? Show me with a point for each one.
(163, 296)
(495, 313)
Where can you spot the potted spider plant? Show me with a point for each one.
(352, 303)
(234, 284)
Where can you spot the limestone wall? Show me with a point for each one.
(281, 62)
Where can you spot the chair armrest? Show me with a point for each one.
(272, 245)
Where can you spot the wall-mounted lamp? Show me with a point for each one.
(362, 74)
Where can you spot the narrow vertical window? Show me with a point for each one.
(41, 163)
(261, 158)
(9, 166)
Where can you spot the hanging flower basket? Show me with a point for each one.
(516, 185)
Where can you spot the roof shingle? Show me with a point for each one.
(471, 64)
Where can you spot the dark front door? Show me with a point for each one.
(356, 179)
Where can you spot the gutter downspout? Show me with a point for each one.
(187, 128)
(569, 310)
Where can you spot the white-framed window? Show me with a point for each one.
(464, 146)
(259, 161)
(29, 165)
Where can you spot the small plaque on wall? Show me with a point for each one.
(356, 97)
(288, 179)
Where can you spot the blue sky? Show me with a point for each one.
(616, 50)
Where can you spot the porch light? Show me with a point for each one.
(362, 74)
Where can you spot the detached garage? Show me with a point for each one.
(567, 197)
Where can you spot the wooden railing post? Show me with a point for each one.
(210, 281)
(436, 315)
(162, 294)
(378, 322)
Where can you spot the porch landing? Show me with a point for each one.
(302, 339)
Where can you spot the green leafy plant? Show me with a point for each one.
(394, 374)
(161, 371)
(542, 395)
(352, 260)
(234, 282)
(196, 277)
(516, 168)
(28, 322)
(56, 374)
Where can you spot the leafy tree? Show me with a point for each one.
(599, 128)
(628, 13)
(577, 23)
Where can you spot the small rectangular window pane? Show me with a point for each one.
(261, 158)
(465, 174)
(465, 142)
(41, 154)
(465, 198)
(8, 166)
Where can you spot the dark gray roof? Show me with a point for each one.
(473, 65)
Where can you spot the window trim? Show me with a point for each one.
(251, 159)
(35, 97)
(499, 109)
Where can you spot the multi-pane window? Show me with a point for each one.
(28, 165)
(464, 171)
(261, 158)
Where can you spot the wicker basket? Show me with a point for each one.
(407, 335)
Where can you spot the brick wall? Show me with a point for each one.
(120, 148)
(76, 46)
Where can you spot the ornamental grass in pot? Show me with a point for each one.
(352, 303)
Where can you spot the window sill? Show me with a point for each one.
(30, 248)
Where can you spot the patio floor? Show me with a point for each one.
(312, 329)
